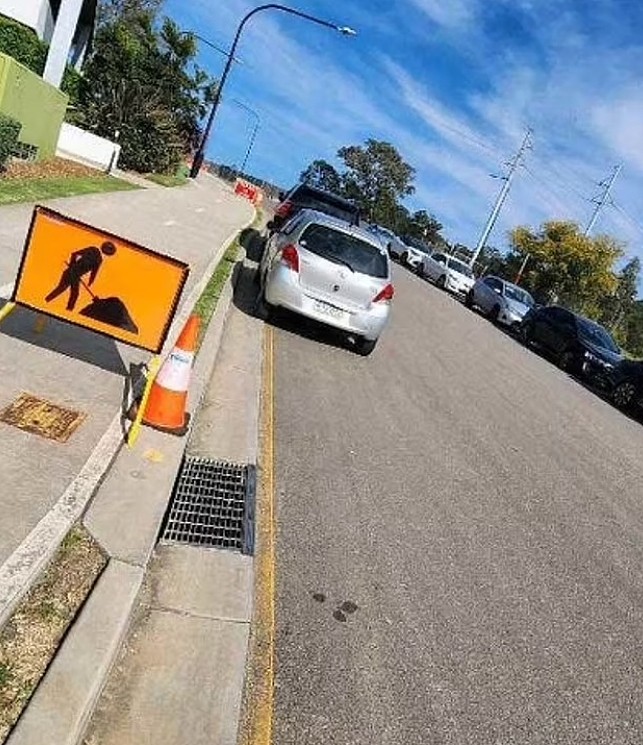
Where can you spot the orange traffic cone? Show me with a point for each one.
(167, 401)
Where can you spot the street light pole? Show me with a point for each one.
(200, 153)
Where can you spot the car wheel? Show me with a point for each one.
(524, 333)
(623, 395)
(404, 259)
(442, 282)
(420, 270)
(364, 347)
(494, 313)
(567, 361)
(468, 299)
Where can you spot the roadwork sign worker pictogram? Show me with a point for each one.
(85, 261)
(111, 310)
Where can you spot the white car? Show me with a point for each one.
(325, 269)
(501, 301)
(412, 256)
(448, 273)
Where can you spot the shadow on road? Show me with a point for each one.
(64, 338)
(246, 299)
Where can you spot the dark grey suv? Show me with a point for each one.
(304, 196)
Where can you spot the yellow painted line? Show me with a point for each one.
(270, 494)
(258, 727)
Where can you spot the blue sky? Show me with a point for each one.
(453, 84)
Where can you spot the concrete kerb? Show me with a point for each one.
(23, 567)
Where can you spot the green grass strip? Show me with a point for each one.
(164, 180)
(207, 303)
(13, 191)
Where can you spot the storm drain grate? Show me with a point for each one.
(212, 505)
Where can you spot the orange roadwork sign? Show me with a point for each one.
(99, 281)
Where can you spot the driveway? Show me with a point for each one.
(459, 543)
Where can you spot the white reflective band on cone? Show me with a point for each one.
(175, 373)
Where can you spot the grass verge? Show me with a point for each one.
(31, 190)
(164, 180)
(207, 303)
(32, 635)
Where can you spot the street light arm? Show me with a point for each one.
(200, 154)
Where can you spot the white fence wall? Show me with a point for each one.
(77, 144)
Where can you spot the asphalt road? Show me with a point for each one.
(460, 541)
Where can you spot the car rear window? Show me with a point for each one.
(342, 248)
(307, 199)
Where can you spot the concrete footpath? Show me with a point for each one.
(83, 371)
(178, 675)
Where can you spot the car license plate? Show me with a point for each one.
(329, 310)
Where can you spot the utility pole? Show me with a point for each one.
(521, 271)
(502, 196)
(602, 199)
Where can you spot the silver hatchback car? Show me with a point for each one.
(338, 274)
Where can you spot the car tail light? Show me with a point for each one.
(284, 209)
(386, 295)
(290, 257)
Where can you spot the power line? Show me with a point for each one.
(626, 214)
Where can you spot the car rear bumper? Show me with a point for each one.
(284, 291)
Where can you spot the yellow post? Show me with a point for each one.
(135, 429)
(6, 309)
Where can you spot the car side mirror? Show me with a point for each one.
(282, 196)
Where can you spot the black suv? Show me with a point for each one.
(579, 346)
(304, 196)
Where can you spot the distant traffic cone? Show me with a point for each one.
(166, 405)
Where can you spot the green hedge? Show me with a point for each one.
(25, 47)
(9, 131)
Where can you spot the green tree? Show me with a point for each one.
(140, 82)
(323, 175)
(634, 329)
(377, 178)
(566, 266)
(617, 307)
(426, 227)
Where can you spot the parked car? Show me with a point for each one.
(335, 273)
(394, 245)
(578, 345)
(447, 272)
(625, 383)
(304, 196)
(412, 256)
(501, 301)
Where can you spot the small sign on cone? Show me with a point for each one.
(167, 402)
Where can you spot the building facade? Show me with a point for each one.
(66, 25)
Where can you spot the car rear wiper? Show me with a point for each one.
(337, 260)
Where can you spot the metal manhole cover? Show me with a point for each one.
(212, 505)
(41, 417)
